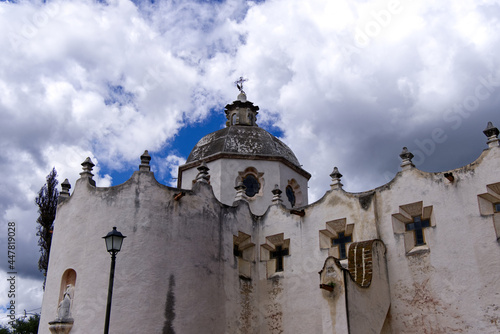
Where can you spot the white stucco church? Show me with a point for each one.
(237, 248)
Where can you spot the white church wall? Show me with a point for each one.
(449, 284)
(294, 294)
(172, 261)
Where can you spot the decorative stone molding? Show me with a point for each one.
(492, 133)
(277, 195)
(145, 159)
(203, 176)
(406, 223)
(273, 252)
(489, 205)
(59, 327)
(244, 251)
(406, 156)
(87, 167)
(259, 177)
(240, 192)
(64, 194)
(335, 229)
(336, 176)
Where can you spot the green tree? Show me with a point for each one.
(47, 205)
(5, 330)
(24, 326)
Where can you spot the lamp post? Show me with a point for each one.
(114, 241)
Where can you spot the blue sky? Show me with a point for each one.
(342, 83)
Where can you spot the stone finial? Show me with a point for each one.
(242, 97)
(240, 192)
(336, 176)
(87, 165)
(203, 173)
(145, 159)
(492, 133)
(406, 156)
(65, 186)
(276, 195)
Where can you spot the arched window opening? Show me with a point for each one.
(294, 193)
(290, 194)
(252, 185)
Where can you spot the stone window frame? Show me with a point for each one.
(297, 191)
(235, 119)
(331, 232)
(488, 203)
(271, 242)
(250, 117)
(405, 216)
(258, 175)
(243, 243)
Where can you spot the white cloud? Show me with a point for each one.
(28, 295)
(168, 167)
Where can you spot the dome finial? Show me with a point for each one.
(239, 84)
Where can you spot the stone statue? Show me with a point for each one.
(63, 311)
(63, 322)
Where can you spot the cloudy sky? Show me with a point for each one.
(343, 83)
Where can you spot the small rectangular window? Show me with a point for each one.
(497, 207)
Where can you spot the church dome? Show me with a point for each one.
(240, 141)
(242, 138)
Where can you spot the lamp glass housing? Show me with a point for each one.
(114, 240)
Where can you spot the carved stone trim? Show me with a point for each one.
(488, 205)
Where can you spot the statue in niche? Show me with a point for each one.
(63, 322)
(63, 311)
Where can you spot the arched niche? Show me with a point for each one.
(68, 278)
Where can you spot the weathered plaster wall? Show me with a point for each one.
(367, 288)
(170, 272)
(453, 287)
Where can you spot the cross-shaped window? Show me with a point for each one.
(278, 255)
(417, 227)
(341, 241)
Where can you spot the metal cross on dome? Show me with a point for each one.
(239, 83)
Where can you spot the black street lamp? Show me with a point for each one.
(114, 241)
